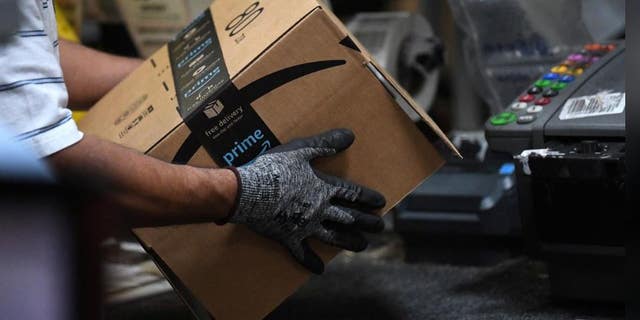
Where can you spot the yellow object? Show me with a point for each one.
(578, 71)
(65, 30)
(559, 69)
(78, 115)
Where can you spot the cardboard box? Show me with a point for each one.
(249, 75)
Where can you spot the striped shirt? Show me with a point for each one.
(33, 96)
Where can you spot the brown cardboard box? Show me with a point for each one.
(295, 71)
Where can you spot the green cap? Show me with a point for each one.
(503, 119)
(558, 86)
(542, 83)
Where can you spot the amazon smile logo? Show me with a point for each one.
(241, 150)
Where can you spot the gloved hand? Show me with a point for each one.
(282, 197)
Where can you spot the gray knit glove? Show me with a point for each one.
(282, 197)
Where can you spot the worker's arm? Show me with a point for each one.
(89, 74)
(152, 191)
(279, 195)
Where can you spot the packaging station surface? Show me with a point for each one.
(243, 77)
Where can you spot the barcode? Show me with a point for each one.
(601, 104)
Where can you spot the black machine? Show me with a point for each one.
(474, 196)
(567, 132)
(467, 212)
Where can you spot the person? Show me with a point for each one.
(280, 195)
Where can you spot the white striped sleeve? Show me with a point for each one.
(33, 96)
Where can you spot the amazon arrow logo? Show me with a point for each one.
(253, 92)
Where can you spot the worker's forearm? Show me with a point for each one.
(89, 74)
(155, 191)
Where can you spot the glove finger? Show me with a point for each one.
(335, 214)
(353, 195)
(307, 257)
(356, 196)
(324, 144)
(367, 222)
(353, 219)
(348, 240)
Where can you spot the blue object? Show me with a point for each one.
(507, 169)
(567, 79)
(551, 76)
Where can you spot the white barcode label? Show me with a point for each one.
(592, 106)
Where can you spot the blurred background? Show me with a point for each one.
(457, 247)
